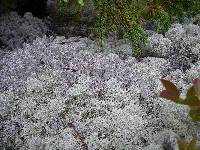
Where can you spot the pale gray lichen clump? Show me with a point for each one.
(16, 30)
(113, 103)
(181, 45)
(159, 45)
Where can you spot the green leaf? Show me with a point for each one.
(171, 91)
(196, 84)
(113, 28)
(81, 2)
(195, 113)
(191, 98)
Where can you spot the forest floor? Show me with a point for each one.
(60, 92)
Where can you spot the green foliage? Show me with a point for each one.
(181, 8)
(164, 22)
(130, 14)
(182, 145)
(165, 12)
(192, 98)
(196, 22)
(70, 8)
(121, 13)
(155, 11)
(113, 14)
(81, 2)
(7, 6)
